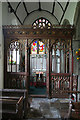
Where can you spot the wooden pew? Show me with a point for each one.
(12, 107)
(74, 110)
(17, 93)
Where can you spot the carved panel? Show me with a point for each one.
(16, 80)
(75, 82)
(59, 84)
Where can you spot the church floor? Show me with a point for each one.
(37, 90)
(46, 109)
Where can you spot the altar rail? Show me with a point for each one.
(16, 80)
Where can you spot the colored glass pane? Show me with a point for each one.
(43, 20)
(49, 24)
(39, 20)
(34, 48)
(46, 21)
(41, 47)
(43, 24)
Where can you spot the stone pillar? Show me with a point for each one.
(1, 49)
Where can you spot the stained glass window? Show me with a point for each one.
(41, 23)
(38, 47)
(34, 48)
(41, 47)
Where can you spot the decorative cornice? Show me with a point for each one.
(62, 32)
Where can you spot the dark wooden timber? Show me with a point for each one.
(16, 93)
(29, 32)
(74, 111)
(48, 72)
(11, 107)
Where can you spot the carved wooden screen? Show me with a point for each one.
(57, 39)
(61, 68)
(16, 76)
(61, 56)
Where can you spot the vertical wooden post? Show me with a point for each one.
(48, 70)
(16, 60)
(64, 59)
(5, 63)
(60, 60)
(55, 65)
(71, 64)
(26, 64)
(29, 68)
(70, 67)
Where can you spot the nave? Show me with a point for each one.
(44, 108)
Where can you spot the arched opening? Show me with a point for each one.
(38, 51)
(16, 65)
(38, 68)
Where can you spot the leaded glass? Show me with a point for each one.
(41, 23)
(41, 47)
(34, 48)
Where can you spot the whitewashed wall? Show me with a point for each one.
(10, 19)
(70, 12)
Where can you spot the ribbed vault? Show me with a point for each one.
(56, 9)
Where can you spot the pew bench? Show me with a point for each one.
(17, 93)
(74, 111)
(12, 107)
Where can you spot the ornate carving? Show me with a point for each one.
(53, 32)
(75, 82)
(16, 80)
(61, 82)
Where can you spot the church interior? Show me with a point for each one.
(40, 60)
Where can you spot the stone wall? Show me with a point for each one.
(76, 43)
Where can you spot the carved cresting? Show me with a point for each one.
(18, 32)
